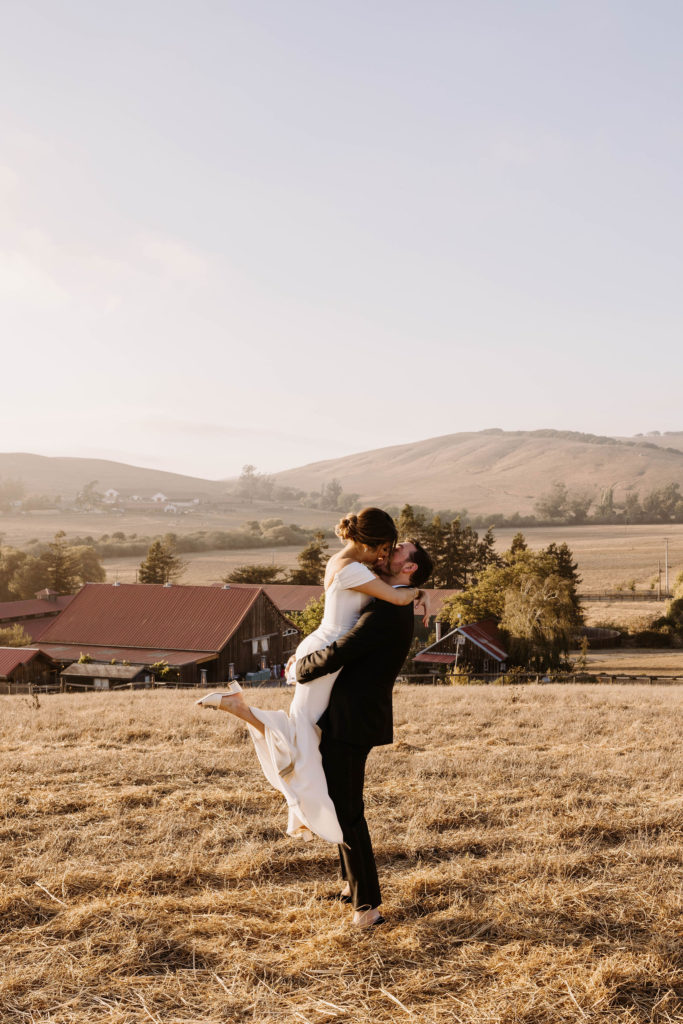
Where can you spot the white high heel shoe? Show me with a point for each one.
(213, 700)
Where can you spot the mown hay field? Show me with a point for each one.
(528, 840)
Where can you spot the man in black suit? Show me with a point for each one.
(359, 717)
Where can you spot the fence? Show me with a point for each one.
(625, 595)
(542, 679)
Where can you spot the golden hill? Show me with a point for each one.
(51, 475)
(498, 471)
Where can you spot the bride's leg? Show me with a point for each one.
(236, 705)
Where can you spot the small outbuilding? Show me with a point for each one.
(21, 667)
(89, 675)
(477, 646)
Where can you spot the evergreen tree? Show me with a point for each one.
(161, 565)
(255, 574)
(518, 546)
(411, 524)
(62, 568)
(312, 561)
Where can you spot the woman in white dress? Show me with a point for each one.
(287, 742)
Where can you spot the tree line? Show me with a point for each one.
(58, 565)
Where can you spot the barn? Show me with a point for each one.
(477, 646)
(203, 634)
(22, 666)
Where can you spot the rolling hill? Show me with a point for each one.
(499, 471)
(50, 475)
(484, 472)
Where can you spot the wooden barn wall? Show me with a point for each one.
(263, 619)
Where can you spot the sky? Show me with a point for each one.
(271, 233)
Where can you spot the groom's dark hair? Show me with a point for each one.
(425, 566)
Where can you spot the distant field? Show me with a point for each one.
(635, 660)
(208, 566)
(630, 614)
(528, 842)
(18, 530)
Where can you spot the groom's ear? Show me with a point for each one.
(409, 568)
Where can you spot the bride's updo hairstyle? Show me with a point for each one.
(371, 526)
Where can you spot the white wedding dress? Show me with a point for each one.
(288, 752)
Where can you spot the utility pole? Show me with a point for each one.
(666, 566)
(659, 580)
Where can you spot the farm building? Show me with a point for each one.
(90, 675)
(33, 615)
(204, 634)
(20, 666)
(477, 646)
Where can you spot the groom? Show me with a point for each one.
(359, 716)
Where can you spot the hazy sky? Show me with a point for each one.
(275, 232)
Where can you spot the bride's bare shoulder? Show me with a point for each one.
(335, 565)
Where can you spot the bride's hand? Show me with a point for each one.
(422, 605)
(292, 659)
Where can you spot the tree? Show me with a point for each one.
(15, 636)
(254, 485)
(312, 561)
(61, 565)
(518, 546)
(554, 504)
(330, 494)
(89, 568)
(578, 506)
(311, 617)
(11, 561)
(633, 512)
(161, 565)
(89, 496)
(664, 505)
(11, 491)
(540, 619)
(605, 509)
(411, 524)
(459, 556)
(255, 574)
(535, 600)
(29, 577)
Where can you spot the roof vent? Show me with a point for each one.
(168, 584)
(117, 584)
(226, 586)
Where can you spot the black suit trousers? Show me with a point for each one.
(344, 767)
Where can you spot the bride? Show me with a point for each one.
(287, 742)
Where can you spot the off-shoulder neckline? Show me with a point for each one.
(343, 568)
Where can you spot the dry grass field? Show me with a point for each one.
(528, 839)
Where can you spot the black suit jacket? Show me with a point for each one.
(370, 657)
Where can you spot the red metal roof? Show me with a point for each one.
(12, 657)
(484, 634)
(439, 659)
(149, 615)
(288, 597)
(135, 655)
(18, 609)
